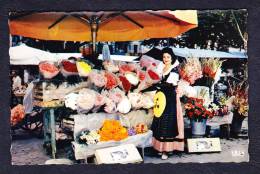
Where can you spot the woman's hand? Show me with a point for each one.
(179, 91)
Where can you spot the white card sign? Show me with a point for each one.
(120, 154)
(204, 145)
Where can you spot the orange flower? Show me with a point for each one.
(112, 130)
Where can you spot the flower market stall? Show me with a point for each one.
(115, 103)
(114, 91)
(99, 107)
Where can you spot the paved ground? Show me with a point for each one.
(29, 151)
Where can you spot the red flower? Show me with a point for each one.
(111, 80)
(126, 84)
(197, 112)
(199, 105)
(188, 106)
(209, 72)
(69, 66)
(126, 68)
(190, 114)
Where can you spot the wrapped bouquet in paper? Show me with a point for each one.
(84, 68)
(71, 101)
(86, 100)
(147, 101)
(124, 106)
(140, 74)
(147, 61)
(112, 80)
(132, 78)
(111, 66)
(124, 83)
(110, 106)
(98, 78)
(68, 68)
(151, 77)
(48, 69)
(127, 67)
(135, 100)
(99, 101)
(116, 95)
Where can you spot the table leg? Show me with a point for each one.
(143, 153)
(228, 131)
(46, 126)
(53, 133)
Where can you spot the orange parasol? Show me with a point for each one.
(102, 26)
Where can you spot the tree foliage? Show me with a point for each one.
(217, 29)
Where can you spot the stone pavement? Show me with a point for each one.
(29, 151)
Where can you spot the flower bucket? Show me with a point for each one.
(236, 123)
(198, 128)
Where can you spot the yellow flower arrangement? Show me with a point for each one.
(112, 130)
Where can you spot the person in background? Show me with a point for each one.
(26, 76)
(17, 81)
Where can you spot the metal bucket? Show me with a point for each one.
(198, 127)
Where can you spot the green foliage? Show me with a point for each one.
(217, 29)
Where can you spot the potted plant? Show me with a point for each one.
(197, 113)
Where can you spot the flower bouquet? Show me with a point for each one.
(127, 67)
(150, 78)
(68, 68)
(124, 83)
(48, 69)
(84, 68)
(112, 130)
(111, 79)
(197, 113)
(222, 108)
(211, 70)
(86, 100)
(111, 66)
(195, 109)
(88, 137)
(191, 70)
(17, 114)
(239, 93)
(98, 78)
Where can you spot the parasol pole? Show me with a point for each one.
(94, 28)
